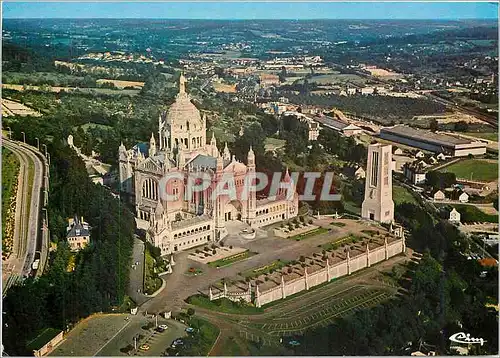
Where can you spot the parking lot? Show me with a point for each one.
(106, 335)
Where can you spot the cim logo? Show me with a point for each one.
(462, 337)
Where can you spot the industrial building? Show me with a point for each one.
(434, 142)
(338, 125)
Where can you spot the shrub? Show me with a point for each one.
(221, 244)
(310, 221)
(302, 259)
(303, 218)
(214, 252)
(190, 311)
(127, 349)
(289, 270)
(231, 247)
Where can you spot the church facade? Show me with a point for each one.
(188, 219)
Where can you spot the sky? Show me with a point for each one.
(253, 10)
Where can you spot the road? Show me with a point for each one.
(137, 273)
(28, 210)
(482, 116)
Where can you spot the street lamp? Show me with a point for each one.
(37, 143)
(24, 137)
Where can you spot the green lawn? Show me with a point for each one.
(483, 135)
(476, 169)
(338, 224)
(320, 230)
(273, 266)
(231, 259)
(151, 280)
(200, 342)
(231, 348)
(273, 143)
(470, 214)
(401, 195)
(223, 305)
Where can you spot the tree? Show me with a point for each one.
(461, 126)
(433, 125)
(190, 311)
(440, 180)
(282, 74)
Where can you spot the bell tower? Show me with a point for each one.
(378, 204)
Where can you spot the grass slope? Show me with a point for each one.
(476, 168)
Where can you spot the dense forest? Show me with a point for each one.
(100, 276)
(384, 107)
(445, 295)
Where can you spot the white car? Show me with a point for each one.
(163, 326)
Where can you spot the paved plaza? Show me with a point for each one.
(268, 248)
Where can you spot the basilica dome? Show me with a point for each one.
(183, 111)
(183, 114)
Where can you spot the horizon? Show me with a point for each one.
(240, 11)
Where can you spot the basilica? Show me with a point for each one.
(191, 220)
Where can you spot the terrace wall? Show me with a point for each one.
(308, 280)
(377, 255)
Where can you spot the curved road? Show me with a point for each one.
(27, 219)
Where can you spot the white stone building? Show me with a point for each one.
(193, 218)
(378, 204)
(454, 216)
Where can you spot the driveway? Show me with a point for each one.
(137, 273)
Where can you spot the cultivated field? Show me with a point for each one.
(381, 72)
(493, 136)
(475, 169)
(450, 118)
(223, 87)
(130, 92)
(12, 108)
(120, 83)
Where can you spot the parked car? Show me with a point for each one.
(144, 347)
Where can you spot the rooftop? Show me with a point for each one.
(78, 228)
(188, 222)
(419, 134)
